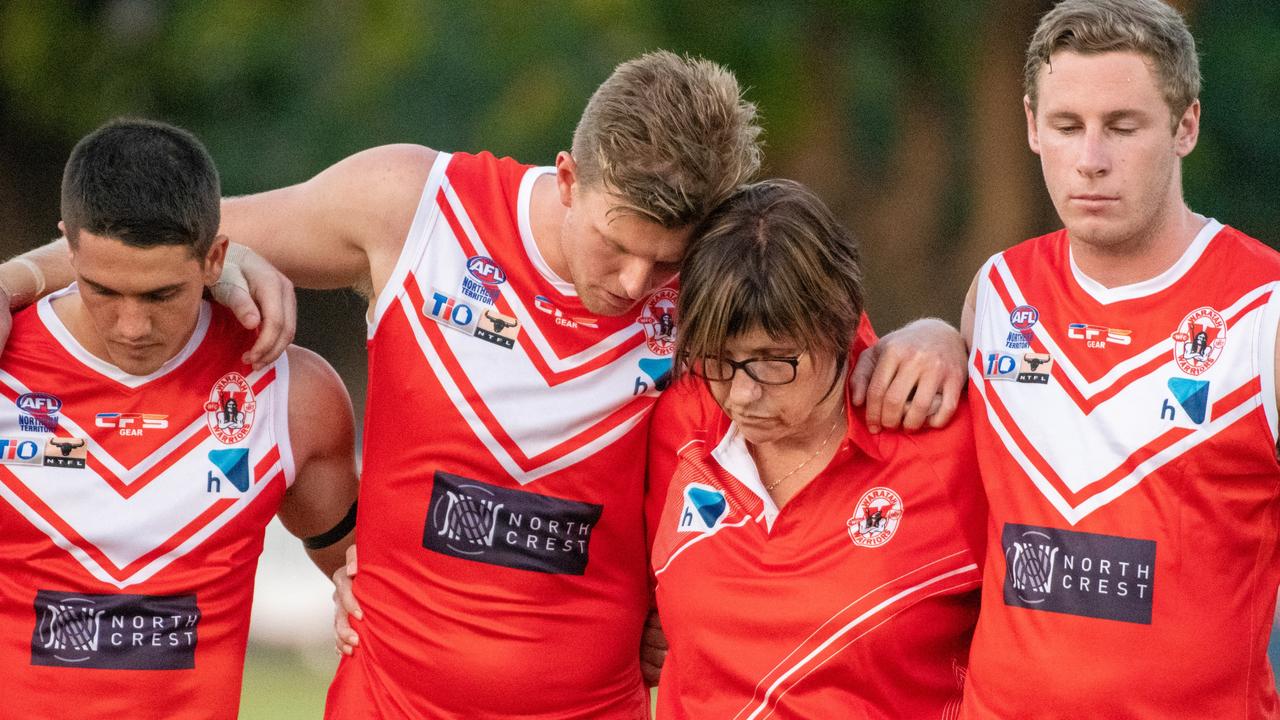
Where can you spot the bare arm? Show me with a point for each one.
(342, 228)
(322, 433)
(966, 315)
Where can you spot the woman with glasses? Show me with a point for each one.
(805, 567)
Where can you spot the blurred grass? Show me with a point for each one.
(285, 684)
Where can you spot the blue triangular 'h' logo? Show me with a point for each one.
(710, 504)
(1192, 395)
(658, 370)
(234, 464)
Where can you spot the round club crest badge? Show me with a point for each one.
(230, 409)
(658, 318)
(1198, 341)
(876, 518)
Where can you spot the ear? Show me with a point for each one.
(1187, 132)
(211, 268)
(566, 177)
(1033, 135)
(71, 248)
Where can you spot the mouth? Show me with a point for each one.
(1094, 200)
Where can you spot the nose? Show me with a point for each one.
(1093, 159)
(742, 389)
(133, 322)
(636, 278)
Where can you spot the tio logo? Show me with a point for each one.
(1000, 366)
(447, 310)
(18, 450)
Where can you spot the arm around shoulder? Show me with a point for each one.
(342, 228)
(322, 434)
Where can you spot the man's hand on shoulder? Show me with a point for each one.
(262, 299)
(912, 375)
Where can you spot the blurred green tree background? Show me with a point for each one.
(905, 116)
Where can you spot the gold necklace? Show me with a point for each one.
(796, 469)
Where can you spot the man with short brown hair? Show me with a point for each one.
(1124, 388)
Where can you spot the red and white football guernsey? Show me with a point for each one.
(1127, 440)
(502, 556)
(855, 600)
(132, 511)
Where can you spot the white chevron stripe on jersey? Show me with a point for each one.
(527, 323)
(538, 422)
(1085, 453)
(1063, 360)
(114, 534)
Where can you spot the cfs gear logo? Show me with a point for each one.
(39, 412)
(66, 453)
(658, 318)
(1023, 319)
(230, 409)
(703, 507)
(132, 424)
(19, 451)
(545, 305)
(876, 518)
(1097, 336)
(1198, 341)
(498, 329)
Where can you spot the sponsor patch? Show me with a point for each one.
(546, 306)
(1097, 336)
(131, 424)
(63, 452)
(1023, 318)
(875, 518)
(115, 632)
(231, 409)
(497, 328)
(704, 506)
(38, 412)
(472, 520)
(485, 270)
(1198, 341)
(1077, 573)
(1192, 395)
(230, 465)
(1034, 368)
(658, 318)
(19, 451)
(450, 312)
(1000, 366)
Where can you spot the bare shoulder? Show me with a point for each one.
(320, 411)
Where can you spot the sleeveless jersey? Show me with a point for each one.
(132, 511)
(1127, 440)
(502, 557)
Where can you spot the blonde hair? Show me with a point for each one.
(773, 257)
(1148, 27)
(670, 137)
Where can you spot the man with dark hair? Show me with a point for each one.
(1124, 380)
(133, 510)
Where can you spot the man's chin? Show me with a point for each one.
(606, 305)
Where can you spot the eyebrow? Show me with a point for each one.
(153, 291)
(1114, 115)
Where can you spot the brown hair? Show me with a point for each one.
(669, 136)
(1148, 27)
(772, 257)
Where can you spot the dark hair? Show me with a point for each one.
(772, 257)
(143, 183)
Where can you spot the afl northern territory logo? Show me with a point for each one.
(658, 317)
(230, 409)
(876, 518)
(1199, 340)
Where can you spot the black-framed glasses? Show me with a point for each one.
(764, 370)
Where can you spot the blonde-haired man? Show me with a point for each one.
(520, 327)
(1124, 380)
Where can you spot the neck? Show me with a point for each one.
(546, 218)
(1142, 257)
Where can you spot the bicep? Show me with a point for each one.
(342, 227)
(967, 315)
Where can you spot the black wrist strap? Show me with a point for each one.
(333, 534)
